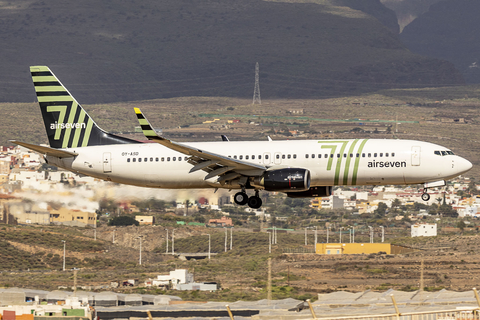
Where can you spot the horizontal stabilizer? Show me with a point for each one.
(46, 150)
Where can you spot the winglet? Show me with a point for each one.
(147, 128)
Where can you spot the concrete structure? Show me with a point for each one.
(222, 222)
(179, 276)
(73, 217)
(359, 248)
(203, 286)
(145, 220)
(424, 230)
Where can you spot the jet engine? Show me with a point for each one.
(313, 192)
(284, 180)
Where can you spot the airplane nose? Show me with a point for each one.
(463, 165)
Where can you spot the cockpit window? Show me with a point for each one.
(444, 153)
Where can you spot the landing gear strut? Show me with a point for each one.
(241, 198)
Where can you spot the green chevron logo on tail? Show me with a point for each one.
(67, 124)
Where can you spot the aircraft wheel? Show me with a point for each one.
(240, 198)
(254, 202)
(425, 197)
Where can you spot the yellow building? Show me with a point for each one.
(145, 220)
(73, 217)
(360, 248)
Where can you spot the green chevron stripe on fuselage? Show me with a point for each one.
(332, 145)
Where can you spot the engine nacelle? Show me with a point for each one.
(313, 192)
(284, 180)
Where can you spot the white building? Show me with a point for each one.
(179, 276)
(424, 230)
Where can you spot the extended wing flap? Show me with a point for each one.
(46, 150)
(212, 158)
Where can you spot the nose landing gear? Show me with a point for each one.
(241, 198)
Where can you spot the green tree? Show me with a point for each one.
(461, 225)
(123, 221)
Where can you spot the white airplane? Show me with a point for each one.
(299, 168)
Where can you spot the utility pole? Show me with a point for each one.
(231, 238)
(383, 233)
(328, 228)
(371, 234)
(305, 236)
(226, 237)
(64, 242)
(256, 90)
(173, 242)
(421, 277)
(269, 294)
(209, 246)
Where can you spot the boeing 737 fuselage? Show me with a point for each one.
(299, 168)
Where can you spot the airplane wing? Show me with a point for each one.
(212, 163)
(46, 150)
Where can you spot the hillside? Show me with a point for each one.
(115, 50)
(449, 31)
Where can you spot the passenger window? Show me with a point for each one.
(369, 155)
(294, 156)
(139, 159)
(344, 155)
(234, 157)
(393, 154)
(338, 155)
(151, 159)
(168, 158)
(266, 156)
(128, 159)
(134, 159)
(381, 154)
(156, 159)
(319, 155)
(283, 156)
(306, 156)
(259, 157)
(174, 159)
(146, 159)
(386, 154)
(375, 155)
(253, 157)
(313, 156)
(363, 155)
(351, 155)
(246, 157)
(240, 157)
(163, 159)
(277, 156)
(289, 156)
(358, 155)
(331, 155)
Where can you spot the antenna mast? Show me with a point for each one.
(256, 91)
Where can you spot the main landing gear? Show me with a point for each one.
(241, 198)
(425, 195)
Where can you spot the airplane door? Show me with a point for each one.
(107, 162)
(277, 158)
(415, 156)
(266, 158)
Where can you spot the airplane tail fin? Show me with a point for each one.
(66, 122)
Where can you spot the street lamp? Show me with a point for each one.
(64, 242)
(166, 250)
(173, 242)
(140, 256)
(371, 234)
(209, 245)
